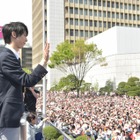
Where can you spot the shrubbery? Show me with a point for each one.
(61, 137)
(83, 137)
(50, 133)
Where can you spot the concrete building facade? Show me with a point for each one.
(78, 19)
(121, 47)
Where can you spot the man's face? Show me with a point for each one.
(21, 41)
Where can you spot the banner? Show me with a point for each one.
(1, 36)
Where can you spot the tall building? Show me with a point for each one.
(78, 19)
(26, 57)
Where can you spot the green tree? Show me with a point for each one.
(108, 87)
(76, 59)
(131, 87)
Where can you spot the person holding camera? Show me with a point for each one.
(30, 99)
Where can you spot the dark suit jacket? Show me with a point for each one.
(12, 78)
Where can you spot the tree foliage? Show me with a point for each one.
(108, 87)
(76, 59)
(131, 87)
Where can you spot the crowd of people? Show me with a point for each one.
(101, 117)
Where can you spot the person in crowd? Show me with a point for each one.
(105, 117)
(12, 78)
(30, 99)
(34, 128)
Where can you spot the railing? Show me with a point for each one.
(23, 130)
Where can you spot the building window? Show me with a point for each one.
(71, 21)
(81, 33)
(138, 8)
(75, 1)
(90, 12)
(76, 22)
(134, 17)
(90, 23)
(76, 32)
(71, 10)
(113, 15)
(125, 16)
(113, 24)
(99, 2)
(81, 22)
(108, 3)
(129, 6)
(91, 34)
(71, 1)
(138, 17)
(85, 1)
(86, 33)
(86, 12)
(100, 23)
(81, 11)
(121, 15)
(125, 6)
(95, 13)
(108, 14)
(104, 24)
(121, 5)
(86, 22)
(104, 3)
(104, 13)
(130, 17)
(117, 15)
(95, 2)
(81, 1)
(100, 14)
(71, 32)
(109, 25)
(90, 2)
(117, 5)
(76, 11)
(117, 24)
(95, 33)
(112, 4)
(133, 7)
(95, 23)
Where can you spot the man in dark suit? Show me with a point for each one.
(12, 78)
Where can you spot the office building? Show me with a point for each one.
(121, 47)
(26, 57)
(78, 19)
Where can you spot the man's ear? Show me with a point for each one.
(14, 34)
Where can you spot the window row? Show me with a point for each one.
(104, 3)
(100, 24)
(104, 14)
(84, 33)
(81, 33)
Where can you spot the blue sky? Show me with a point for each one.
(17, 10)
